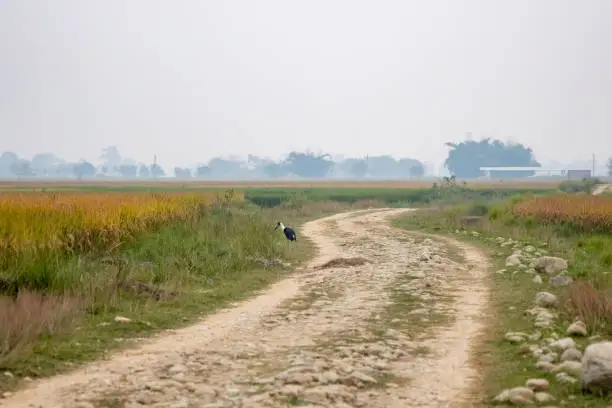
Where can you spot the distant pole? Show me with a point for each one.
(593, 174)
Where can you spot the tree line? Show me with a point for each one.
(296, 164)
(464, 160)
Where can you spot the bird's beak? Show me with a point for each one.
(275, 228)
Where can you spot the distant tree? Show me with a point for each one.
(144, 171)
(465, 159)
(111, 157)
(383, 167)
(43, 163)
(129, 162)
(84, 169)
(308, 165)
(6, 161)
(256, 161)
(256, 167)
(275, 170)
(417, 170)
(182, 173)
(203, 171)
(157, 171)
(63, 170)
(407, 167)
(21, 168)
(128, 170)
(359, 168)
(610, 167)
(223, 168)
(8, 158)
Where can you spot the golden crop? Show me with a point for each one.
(78, 222)
(584, 212)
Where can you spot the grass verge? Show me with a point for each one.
(505, 365)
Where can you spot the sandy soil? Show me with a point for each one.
(390, 322)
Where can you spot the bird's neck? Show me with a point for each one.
(282, 225)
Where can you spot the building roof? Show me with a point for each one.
(527, 169)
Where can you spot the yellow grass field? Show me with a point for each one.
(78, 222)
(583, 212)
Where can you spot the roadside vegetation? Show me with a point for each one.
(83, 273)
(580, 186)
(528, 338)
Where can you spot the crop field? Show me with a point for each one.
(82, 221)
(45, 227)
(583, 213)
(171, 184)
(269, 194)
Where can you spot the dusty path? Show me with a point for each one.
(602, 189)
(394, 331)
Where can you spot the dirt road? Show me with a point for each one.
(602, 189)
(388, 323)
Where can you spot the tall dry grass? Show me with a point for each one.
(82, 221)
(29, 315)
(40, 229)
(592, 306)
(583, 213)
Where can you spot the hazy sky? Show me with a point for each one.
(188, 80)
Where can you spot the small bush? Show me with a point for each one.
(478, 209)
(585, 185)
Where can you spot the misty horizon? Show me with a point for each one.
(193, 80)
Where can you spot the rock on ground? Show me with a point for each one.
(577, 328)
(597, 367)
(521, 396)
(538, 384)
(513, 260)
(550, 265)
(560, 280)
(546, 299)
(571, 354)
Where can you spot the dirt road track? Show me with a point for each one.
(602, 189)
(341, 336)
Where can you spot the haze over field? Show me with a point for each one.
(192, 80)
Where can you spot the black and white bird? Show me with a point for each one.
(289, 233)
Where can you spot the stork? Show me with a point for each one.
(289, 233)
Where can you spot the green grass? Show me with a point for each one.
(579, 186)
(506, 365)
(160, 281)
(399, 197)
